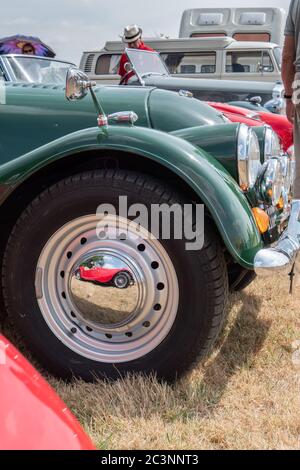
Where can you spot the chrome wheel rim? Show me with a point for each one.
(76, 290)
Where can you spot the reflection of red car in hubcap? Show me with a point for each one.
(120, 278)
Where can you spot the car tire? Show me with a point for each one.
(201, 279)
(248, 279)
(125, 281)
(240, 279)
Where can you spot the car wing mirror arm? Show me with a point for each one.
(77, 86)
(96, 102)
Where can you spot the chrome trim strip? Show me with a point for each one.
(123, 116)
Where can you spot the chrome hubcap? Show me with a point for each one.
(107, 289)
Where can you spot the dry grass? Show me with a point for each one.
(246, 396)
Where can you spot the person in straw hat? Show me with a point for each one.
(132, 37)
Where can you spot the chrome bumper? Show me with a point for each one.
(281, 258)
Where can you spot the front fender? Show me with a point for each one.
(219, 141)
(206, 176)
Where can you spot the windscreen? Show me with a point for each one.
(146, 62)
(38, 70)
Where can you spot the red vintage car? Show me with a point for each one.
(279, 123)
(119, 278)
(32, 416)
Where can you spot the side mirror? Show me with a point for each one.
(259, 68)
(128, 67)
(77, 84)
(256, 100)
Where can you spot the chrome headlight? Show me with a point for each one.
(272, 144)
(272, 182)
(293, 171)
(291, 153)
(285, 162)
(249, 165)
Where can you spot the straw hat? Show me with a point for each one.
(131, 33)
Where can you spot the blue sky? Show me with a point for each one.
(71, 26)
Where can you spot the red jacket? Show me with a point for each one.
(124, 59)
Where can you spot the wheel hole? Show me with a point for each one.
(63, 294)
(83, 241)
(73, 315)
(146, 324)
(122, 237)
(89, 329)
(160, 286)
(62, 274)
(108, 336)
(141, 247)
(155, 265)
(157, 307)
(69, 254)
(129, 335)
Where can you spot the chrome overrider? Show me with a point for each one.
(283, 257)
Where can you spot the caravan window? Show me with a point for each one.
(244, 62)
(108, 64)
(260, 37)
(190, 62)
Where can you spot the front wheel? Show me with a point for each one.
(121, 280)
(168, 316)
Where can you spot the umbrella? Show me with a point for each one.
(14, 45)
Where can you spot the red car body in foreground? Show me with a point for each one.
(279, 123)
(32, 416)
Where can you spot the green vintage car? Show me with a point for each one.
(79, 203)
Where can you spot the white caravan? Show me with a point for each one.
(211, 58)
(242, 24)
(214, 43)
